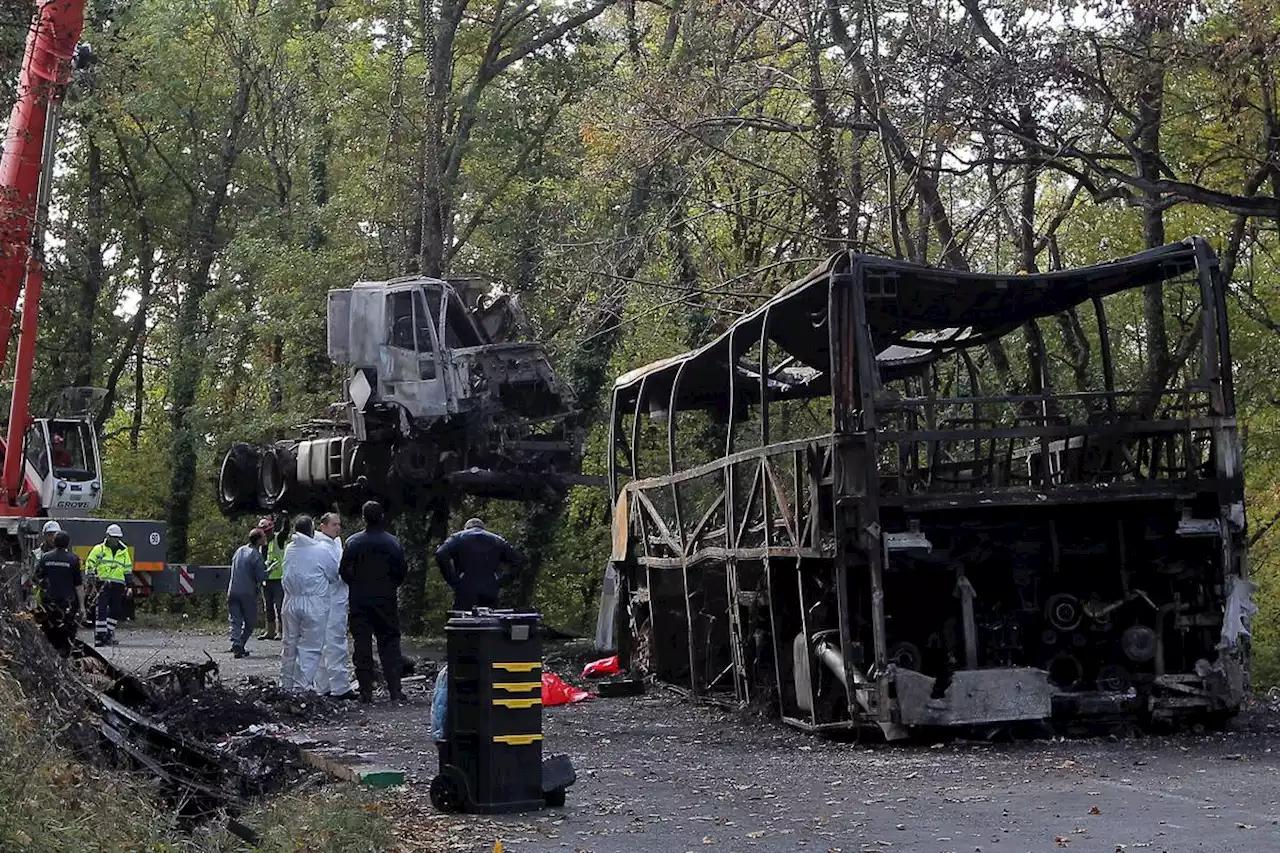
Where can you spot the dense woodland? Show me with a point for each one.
(641, 173)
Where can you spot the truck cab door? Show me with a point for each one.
(409, 373)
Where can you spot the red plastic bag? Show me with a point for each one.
(604, 666)
(556, 692)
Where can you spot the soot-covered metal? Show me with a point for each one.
(899, 496)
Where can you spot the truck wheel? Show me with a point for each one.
(277, 477)
(238, 478)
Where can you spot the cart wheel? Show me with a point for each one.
(554, 799)
(446, 795)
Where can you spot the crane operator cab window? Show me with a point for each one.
(63, 448)
(38, 449)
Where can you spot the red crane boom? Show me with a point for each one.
(46, 72)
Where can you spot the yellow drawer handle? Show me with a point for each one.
(516, 686)
(519, 666)
(517, 740)
(519, 703)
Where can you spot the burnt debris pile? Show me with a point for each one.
(210, 747)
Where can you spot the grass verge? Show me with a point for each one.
(53, 803)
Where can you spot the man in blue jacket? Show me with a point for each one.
(471, 562)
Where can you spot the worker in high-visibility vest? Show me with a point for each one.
(110, 562)
(273, 586)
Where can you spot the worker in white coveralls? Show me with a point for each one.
(310, 569)
(334, 677)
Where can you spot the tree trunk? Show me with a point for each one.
(80, 342)
(537, 534)
(321, 132)
(275, 396)
(190, 356)
(422, 532)
(137, 328)
(139, 396)
(1152, 25)
(826, 192)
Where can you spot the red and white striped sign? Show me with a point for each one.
(186, 581)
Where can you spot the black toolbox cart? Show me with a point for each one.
(491, 758)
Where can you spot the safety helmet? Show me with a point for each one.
(114, 530)
(51, 527)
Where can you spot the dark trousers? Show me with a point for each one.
(272, 601)
(381, 620)
(110, 598)
(58, 620)
(242, 610)
(465, 599)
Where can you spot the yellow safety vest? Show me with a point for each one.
(275, 560)
(107, 565)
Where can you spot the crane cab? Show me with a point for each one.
(64, 465)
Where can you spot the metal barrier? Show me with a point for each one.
(187, 579)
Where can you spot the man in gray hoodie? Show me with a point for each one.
(248, 571)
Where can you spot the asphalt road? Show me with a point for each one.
(657, 774)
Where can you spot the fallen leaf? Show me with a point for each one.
(1246, 826)
(706, 839)
(759, 833)
(1095, 810)
(1060, 841)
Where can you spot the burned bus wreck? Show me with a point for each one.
(897, 496)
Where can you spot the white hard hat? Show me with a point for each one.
(51, 527)
(114, 530)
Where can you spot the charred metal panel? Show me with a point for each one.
(975, 696)
(367, 324)
(340, 326)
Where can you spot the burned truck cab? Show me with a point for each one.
(900, 497)
(434, 401)
(391, 337)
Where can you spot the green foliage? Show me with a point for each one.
(640, 180)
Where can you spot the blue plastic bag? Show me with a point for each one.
(438, 704)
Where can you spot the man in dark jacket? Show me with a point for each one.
(470, 561)
(61, 583)
(373, 566)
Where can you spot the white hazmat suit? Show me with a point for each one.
(334, 676)
(310, 568)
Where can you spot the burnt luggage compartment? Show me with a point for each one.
(897, 496)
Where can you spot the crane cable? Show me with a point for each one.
(395, 108)
(433, 129)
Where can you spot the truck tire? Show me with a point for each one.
(277, 477)
(238, 478)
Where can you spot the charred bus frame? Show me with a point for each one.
(827, 509)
